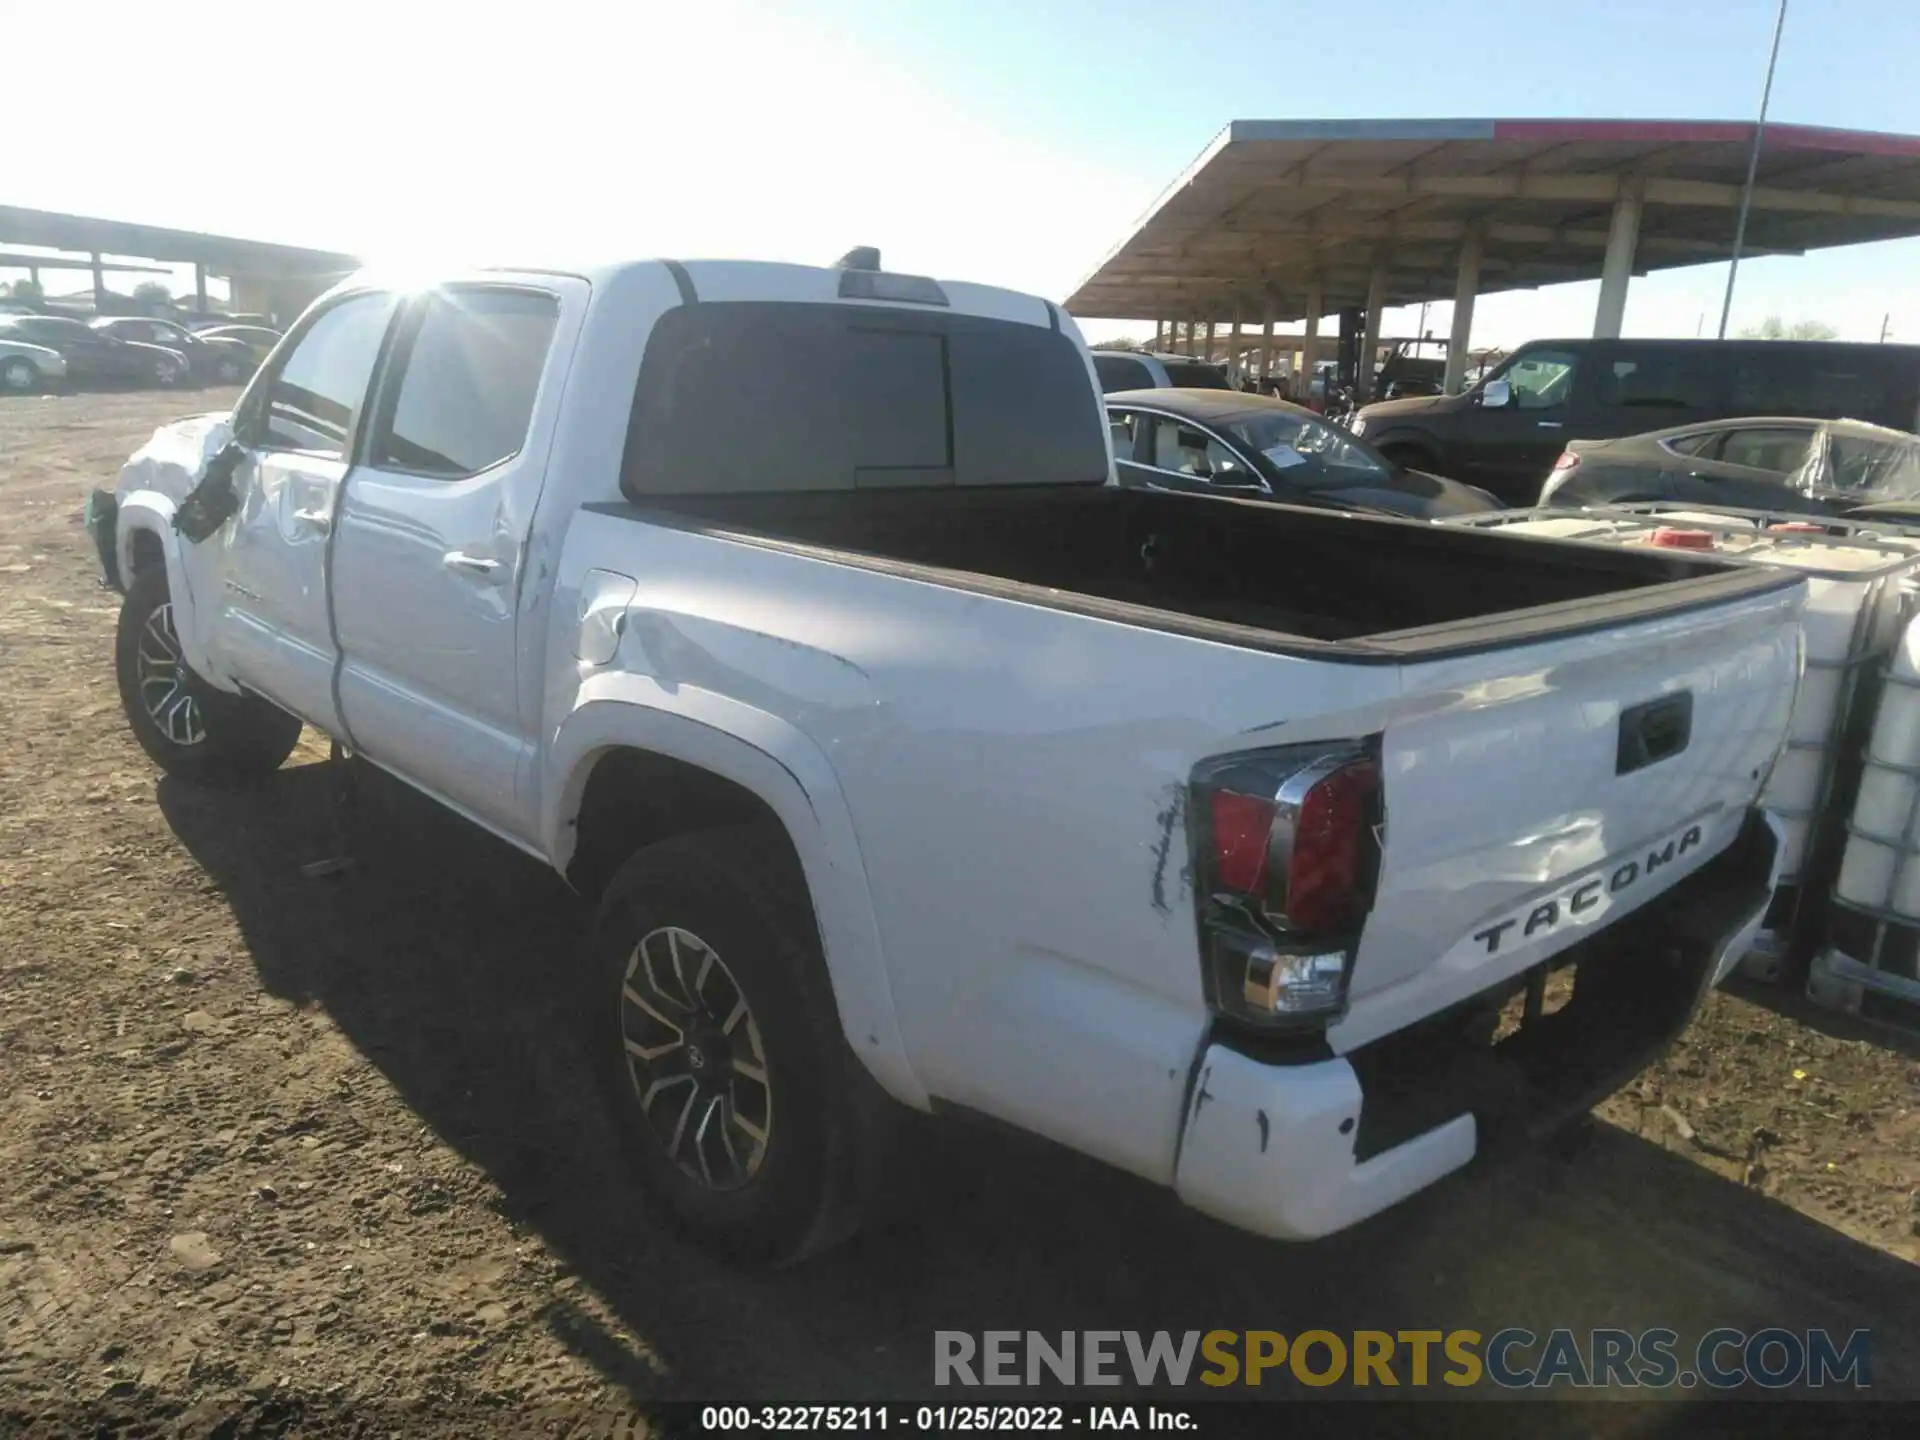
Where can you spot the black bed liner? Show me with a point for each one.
(1276, 578)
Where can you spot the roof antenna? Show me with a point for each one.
(861, 257)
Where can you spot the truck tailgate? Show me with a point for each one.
(1534, 793)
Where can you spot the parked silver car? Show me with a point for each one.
(26, 368)
(1762, 463)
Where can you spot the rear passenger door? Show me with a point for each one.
(1633, 389)
(429, 567)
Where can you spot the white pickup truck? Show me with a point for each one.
(793, 614)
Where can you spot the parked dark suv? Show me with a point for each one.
(1505, 434)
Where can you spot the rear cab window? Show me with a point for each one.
(862, 397)
(1120, 372)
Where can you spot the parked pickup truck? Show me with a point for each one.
(912, 760)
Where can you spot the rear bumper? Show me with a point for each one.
(1298, 1151)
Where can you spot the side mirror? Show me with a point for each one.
(1496, 394)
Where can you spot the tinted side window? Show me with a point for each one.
(1796, 380)
(1541, 379)
(1658, 378)
(313, 400)
(750, 396)
(1187, 451)
(1777, 448)
(1699, 444)
(1117, 372)
(467, 389)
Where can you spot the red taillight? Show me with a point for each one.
(1328, 865)
(1242, 825)
(1285, 854)
(1567, 461)
(1298, 852)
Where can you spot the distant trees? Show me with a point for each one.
(1125, 342)
(152, 292)
(1774, 328)
(28, 292)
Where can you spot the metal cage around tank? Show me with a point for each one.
(1791, 928)
(1875, 947)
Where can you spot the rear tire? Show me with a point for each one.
(229, 371)
(189, 728)
(712, 1030)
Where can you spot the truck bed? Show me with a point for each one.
(1242, 572)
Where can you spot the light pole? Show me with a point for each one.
(1753, 165)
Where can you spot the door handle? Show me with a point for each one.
(1550, 424)
(478, 566)
(314, 520)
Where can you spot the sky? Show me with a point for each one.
(1012, 142)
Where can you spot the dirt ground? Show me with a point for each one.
(277, 1147)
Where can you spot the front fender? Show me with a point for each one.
(150, 512)
(776, 762)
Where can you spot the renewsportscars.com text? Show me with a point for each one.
(1513, 1358)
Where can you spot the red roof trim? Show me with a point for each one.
(1708, 132)
(1654, 132)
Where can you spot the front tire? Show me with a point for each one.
(20, 375)
(189, 728)
(169, 374)
(228, 371)
(753, 1128)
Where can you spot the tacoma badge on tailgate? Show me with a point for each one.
(1574, 901)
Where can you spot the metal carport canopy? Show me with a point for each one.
(219, 253)
(1290, 212)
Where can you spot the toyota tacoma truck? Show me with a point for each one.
(911, 761)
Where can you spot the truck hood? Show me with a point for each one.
(1401, 409)
(173, 460)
